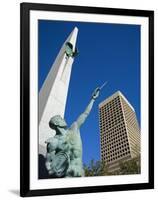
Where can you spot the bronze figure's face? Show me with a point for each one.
(57, 121)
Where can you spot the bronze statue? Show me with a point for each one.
(64, 150)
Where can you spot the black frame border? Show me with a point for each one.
(25, 9)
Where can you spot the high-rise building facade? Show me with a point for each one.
(119, 131)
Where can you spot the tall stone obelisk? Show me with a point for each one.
(53, 94)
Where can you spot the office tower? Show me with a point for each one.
(53, 94)
(119, 131)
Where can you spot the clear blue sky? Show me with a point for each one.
(107, 52)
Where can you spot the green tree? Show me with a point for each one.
(96, 168)
(99, 168)
(130, 167)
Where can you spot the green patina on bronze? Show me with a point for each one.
(64, 150)
(69, 50)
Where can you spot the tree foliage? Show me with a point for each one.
(99, 168)
(96, 168)
(130, 167)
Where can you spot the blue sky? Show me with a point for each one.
(107, 52)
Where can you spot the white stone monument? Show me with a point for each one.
(53, 94)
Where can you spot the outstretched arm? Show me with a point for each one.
(81, 119)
